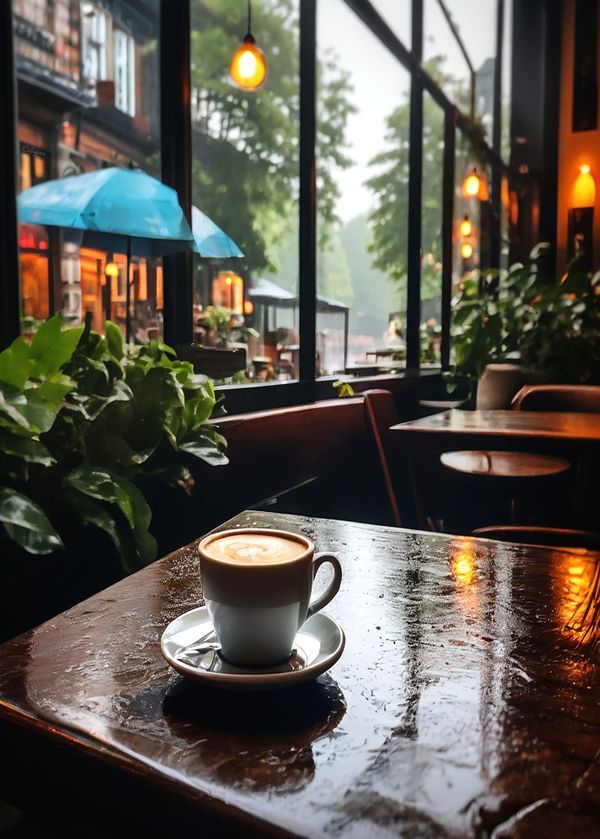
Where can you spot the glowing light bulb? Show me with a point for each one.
(474, 186)
(466, 250)
(584, 188)
(466, 228)
(112, 269)
(248, 68)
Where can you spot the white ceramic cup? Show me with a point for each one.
(258, 608)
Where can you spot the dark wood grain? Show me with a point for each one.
(467, 700)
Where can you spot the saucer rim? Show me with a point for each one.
(254, 677)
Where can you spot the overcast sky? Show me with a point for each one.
(381, 83)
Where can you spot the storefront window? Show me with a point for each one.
(77, 130)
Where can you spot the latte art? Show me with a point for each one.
(255, 549)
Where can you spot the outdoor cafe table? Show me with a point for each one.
(467, 701)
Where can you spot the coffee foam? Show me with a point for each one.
(255, 549)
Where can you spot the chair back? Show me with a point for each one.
(580, 398)
(381, 412)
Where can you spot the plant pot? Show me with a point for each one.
(499, 384)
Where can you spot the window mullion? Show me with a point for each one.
(308, 192)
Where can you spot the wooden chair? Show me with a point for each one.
(546, 536)
(580, 398)
(381, 413)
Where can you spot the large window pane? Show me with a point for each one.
(476, 25)
(398, 15)
(88, 77)
(363, 195)
(245, 178)
(443, 58)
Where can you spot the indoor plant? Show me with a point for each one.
(522, 314)
(83, 420)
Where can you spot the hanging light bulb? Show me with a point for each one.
(466, 228)
(474, 186)
(248, 68)
(466, 250)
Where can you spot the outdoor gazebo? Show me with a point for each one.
(267, 296)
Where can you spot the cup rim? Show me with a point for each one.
(219, 534)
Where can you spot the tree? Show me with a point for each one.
(389, 219)
(245, 171)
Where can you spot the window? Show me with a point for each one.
(245, 179)
(93, 44)
(362, 181)
(251, 177)
(124, 73)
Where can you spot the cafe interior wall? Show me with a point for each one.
(575, 147)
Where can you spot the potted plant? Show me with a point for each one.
(519, 325)
(86, 424)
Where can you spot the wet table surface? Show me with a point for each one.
(458, 427)
(467, 701)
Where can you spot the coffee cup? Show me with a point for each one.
(257, 586)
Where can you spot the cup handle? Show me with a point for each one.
(334, 585)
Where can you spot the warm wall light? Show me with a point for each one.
(474, 186)
(248, 307)
(466, 228)
(466, 250)
(584, 188)
(248, 68)
(112, 269)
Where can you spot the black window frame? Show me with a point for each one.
(176, 162)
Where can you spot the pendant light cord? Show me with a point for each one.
(249, 17)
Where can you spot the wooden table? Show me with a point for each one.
(501, 430)
(467, 700)
(570, 435)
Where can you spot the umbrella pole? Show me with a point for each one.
(128, 294)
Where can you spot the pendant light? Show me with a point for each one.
(474, 186)
(465, 227)
(248, 68)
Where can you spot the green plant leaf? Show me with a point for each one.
(51, 359)
(207, 447)
(25, 448)
(101, 484)
(26, 523)
(16, 363)
(114, 339)
(93, 514)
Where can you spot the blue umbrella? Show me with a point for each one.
(210, 240)
(119, 209)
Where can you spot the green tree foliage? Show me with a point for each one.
(245, 172)
(389, 184)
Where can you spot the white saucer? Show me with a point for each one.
(317, 646)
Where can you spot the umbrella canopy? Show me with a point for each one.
(119, 209)
(210, 240)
